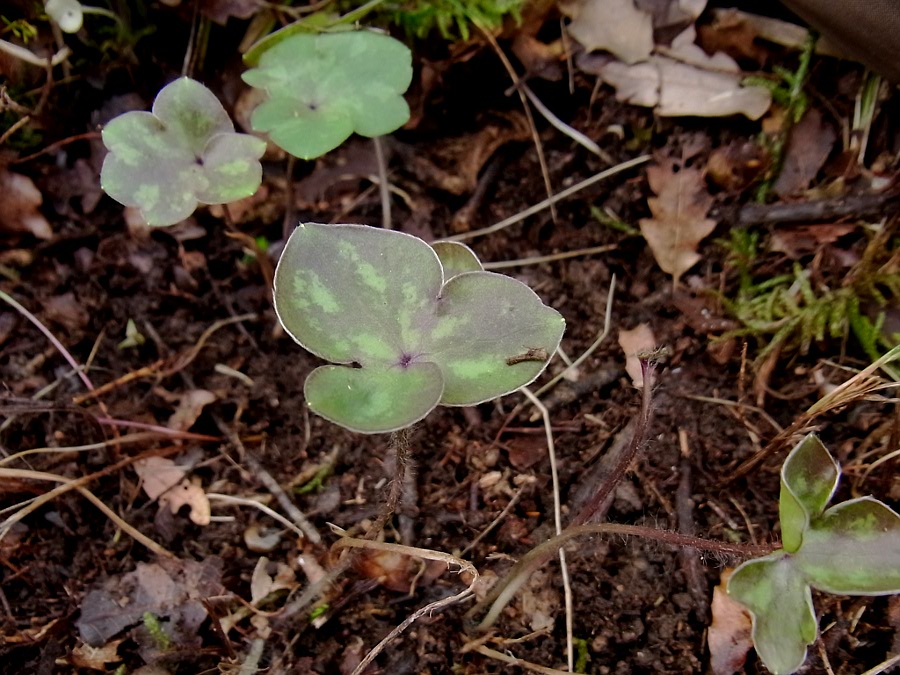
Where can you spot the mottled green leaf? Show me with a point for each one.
(780, 602)
(353, 293)
(456, 258)
(374, 400)
(488, 326)
(853, 549)
(376, 298)
(183, 153)
(323, 87)
(809, 477)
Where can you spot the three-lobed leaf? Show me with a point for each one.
(323, 87)
(851, 548)
(409, 334)
(183, 153)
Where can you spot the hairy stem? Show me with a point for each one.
(400, 443)
(504, 590)
(595, 503)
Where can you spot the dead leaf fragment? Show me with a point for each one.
(679, 221)
(684, 82)
(95, 658)
(158, 474)
(262, 583)
(188, 494)
(638, 340)
(190, 408)
(811, 141)
(800, 240)
(67, 312)
(729, 633)
(616, 26)
(170, 589)
(19, 206)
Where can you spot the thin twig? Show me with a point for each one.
(496, 521)
(427, 554)
(513, 661)
(244, 501)
(557, 522)
(564, 194)
(50, 336)
(552, 257)
(564, 128)
(531, 125)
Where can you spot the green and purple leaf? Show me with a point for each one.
(456, 258)
(378, 299)
(809, 478)
(323, 87)
(183, 153)
(780, 602)
(853, 549)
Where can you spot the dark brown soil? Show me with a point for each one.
(639, 607)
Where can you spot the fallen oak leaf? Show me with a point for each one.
(679, 221)
(616, 26)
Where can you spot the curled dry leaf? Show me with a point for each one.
(679, 221)
(158, 474)
(189, 494)
(636, 341)
(189, 409)
(19, 206)
(686, 82)
(95, 658)
(729, 636)
(616, 26)
(812, 140)
(263, 583)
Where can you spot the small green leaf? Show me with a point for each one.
(484, 321)
(322, 88)
(780, 602)
(376, 298)
(853, 549)
(456, 258)
(183, 153)
(371, 400)
(809, 477)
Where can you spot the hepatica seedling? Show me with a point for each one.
(409, 326)
(183, 153)
(852, 548)
(322, 88)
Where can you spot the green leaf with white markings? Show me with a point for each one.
(379, 303)
(852, 548)
(323, 87)
(183, 153)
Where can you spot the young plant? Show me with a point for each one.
(183, 153)
(322, 88)
(852, 548)
(411, 326)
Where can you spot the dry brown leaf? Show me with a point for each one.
(687, 82)
(800, 240)
(67, 311)
(190, 494)
(679, 219)
(729, 637)
(190, 408)
(19, 206)
(616, 26)
(262, 583)
(96, 658)
(737, 165)
(811, 141)
(158, 474)
(636, 341)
